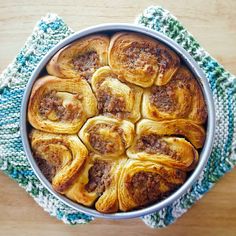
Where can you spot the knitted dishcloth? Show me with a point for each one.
(51, 30)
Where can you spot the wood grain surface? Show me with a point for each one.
(213, 23)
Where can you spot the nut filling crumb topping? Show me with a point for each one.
(86, 64)
(154, 144)
(51, 107)
(165, 60)
(163, 97)
(99, 178)
(109, 104)
(47, 169)
(138, 56)
(47, 160)
(98, 143)
(145, 187)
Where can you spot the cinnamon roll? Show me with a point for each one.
(142, 183)
(194, 133)
(115, 98)
(81, 58)
(141, 60)
(160, 142)
(97, 183)
(179, 98)
(60, 157)
(60, 106)
(107, 136)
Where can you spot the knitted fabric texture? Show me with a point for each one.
(51, 30)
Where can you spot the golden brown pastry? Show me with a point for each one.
(142, 183)
(107, 136)
(179, 98)
(194, 133)
(59, 157)
(115, 98)
(159, 142)
(98, 182)
(81, 58)
(60, 106)
(168, 63)
(141, 60)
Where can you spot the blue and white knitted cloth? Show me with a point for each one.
(48, 32)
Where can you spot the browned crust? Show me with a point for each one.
(48, 83)
(147, 75)
(160, 65)
(198, 112)
(169, 179)
(61, 187)
(169, 63)
(64, 176)
(168, 106)
(94, 42)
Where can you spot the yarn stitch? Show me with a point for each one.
(48, 32)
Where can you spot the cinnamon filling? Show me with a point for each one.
(51, 103)
(98, 143)
(115, 105)
(163, 97)
(86, 64)
(138, 56)
(99, 178)
(46, 168)
(165, 60)
(48, 162)
(153, 144)
(145, 187)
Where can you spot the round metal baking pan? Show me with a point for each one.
(192, 65)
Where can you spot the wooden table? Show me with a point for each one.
(211, 22)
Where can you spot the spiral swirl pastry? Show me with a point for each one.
(143, 183)
(141, 60)
(81, 58)
(97, 183)
(179, 98)
(115, 98)
(160, 142)
(60, 106)
(107, 136)
(59, 157)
